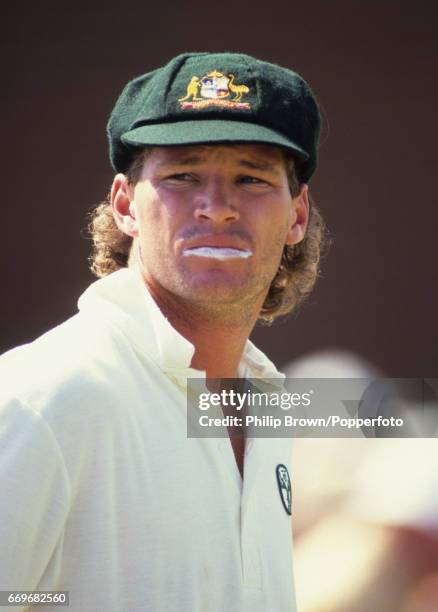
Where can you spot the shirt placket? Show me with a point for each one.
(250, 519)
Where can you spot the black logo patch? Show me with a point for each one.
(284, 487)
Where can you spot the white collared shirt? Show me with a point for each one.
(102, 493)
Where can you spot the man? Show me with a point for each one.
(207, 229)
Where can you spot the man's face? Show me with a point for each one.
(211, 221)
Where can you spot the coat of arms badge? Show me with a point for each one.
(213, 89)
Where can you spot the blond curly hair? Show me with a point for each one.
(296, 275)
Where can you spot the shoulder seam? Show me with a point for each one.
(56, 444)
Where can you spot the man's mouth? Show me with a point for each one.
(214, 252)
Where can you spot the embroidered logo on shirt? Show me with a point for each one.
(284, 487)
(212, 89)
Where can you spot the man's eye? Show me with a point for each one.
(252, 180)
(180, 177)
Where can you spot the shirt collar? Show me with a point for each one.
(124, 298)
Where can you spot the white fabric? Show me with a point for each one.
(102, 493)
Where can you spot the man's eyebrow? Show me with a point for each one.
(197, 160)
(264, 166)
(193, 160)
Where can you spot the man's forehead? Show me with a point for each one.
(260, 155)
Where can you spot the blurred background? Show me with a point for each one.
(365, 529)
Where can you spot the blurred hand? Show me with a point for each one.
(344, 565)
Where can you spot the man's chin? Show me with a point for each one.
(216, 278)
(221, 289)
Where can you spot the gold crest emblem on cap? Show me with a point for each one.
(212, 90)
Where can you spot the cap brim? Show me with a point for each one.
(208, 131)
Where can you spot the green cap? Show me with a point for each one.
(208, 98)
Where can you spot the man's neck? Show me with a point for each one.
(219, 339)
(218, 351)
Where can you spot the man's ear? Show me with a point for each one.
(123, 205)
(299, 217)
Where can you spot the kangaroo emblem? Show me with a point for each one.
(192, 90)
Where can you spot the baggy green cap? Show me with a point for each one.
(208, 98)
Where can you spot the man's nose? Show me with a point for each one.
(216, 203)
